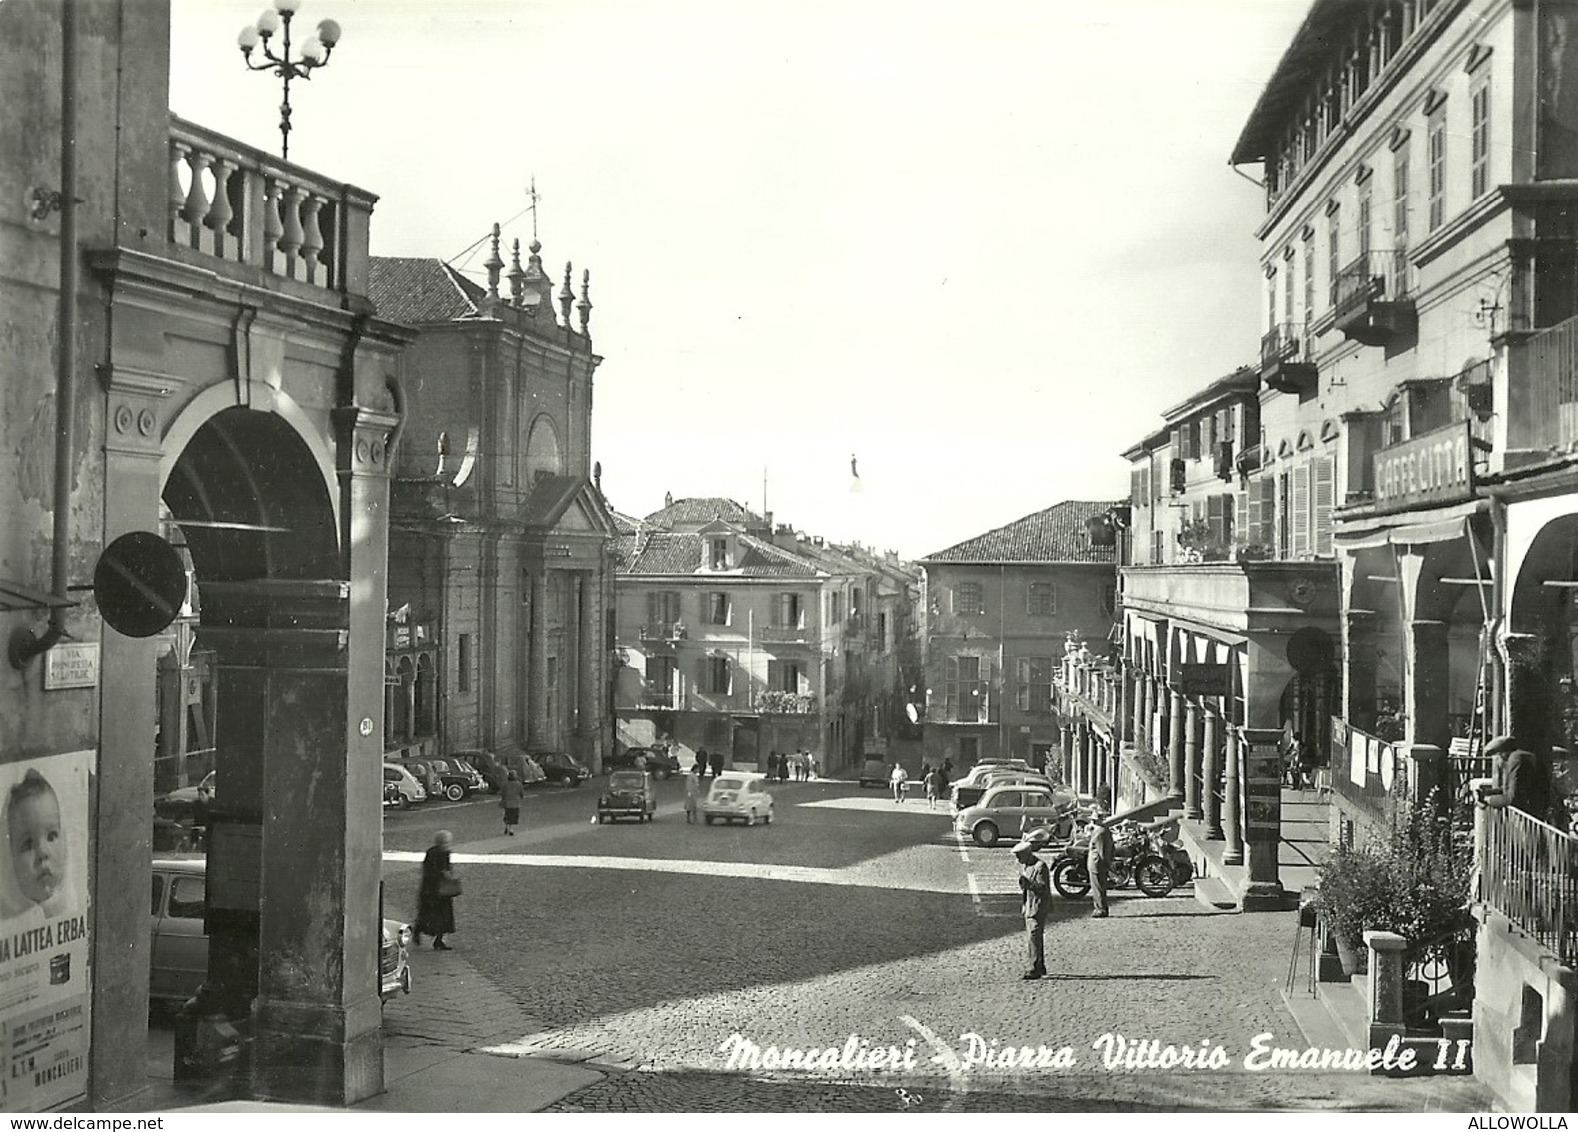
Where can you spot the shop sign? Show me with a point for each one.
(1205, 680)
(44, 935)
(1437, 467)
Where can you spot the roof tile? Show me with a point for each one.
(1057, 534)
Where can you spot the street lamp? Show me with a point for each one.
(314, 54)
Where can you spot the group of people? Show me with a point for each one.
(801, 764)
(935, 781)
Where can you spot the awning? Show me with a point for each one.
(1408, 528)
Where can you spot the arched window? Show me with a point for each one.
(543, 454)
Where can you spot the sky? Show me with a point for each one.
(975, 248)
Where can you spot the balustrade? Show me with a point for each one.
(238, 204)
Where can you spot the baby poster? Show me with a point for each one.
(44, 931)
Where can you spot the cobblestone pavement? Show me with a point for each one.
(849, 915)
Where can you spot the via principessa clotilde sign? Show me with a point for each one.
(1437, 467)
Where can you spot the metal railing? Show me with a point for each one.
(1527, 874)
(663, 631)
(1375, 277)
(1284, 342)
(783, 634)
(1543, 390)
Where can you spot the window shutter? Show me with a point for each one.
(1175, 444)
(1300, 511)
(1156, 478)
(774, 677)
(1216, 519)
(1325, 484)
(1254, 514)
(1225, 429)
(1208, 434)
(1242, 528)
(1268, 515)
(702, 683)
(728, 678)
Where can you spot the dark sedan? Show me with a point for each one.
(558, 767)
(658, 761)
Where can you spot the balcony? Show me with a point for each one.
(1372, 298)
(231, 203)
(1542, 394)
(656, 698)
(1089, 686)
(786, 703)
(1287, 364)
(784, 635)
(660, 632)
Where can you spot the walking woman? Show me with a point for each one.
(510, 799)
(435, 899)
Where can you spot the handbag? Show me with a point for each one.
(449, 885)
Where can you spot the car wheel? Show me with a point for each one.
(708, 818)
(403, 804)
(768, 820)
(985, 833)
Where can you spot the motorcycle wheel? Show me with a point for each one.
(1154, 876)
(1070, 878)
(1120, 873)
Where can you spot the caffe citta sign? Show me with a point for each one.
(1435, 467)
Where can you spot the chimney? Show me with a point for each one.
(668, 499)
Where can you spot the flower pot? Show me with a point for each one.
(1354, 959)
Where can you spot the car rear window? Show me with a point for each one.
(729, 784)
(186, 898)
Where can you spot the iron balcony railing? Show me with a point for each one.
(1543, 390)
(1285, 342)
(1375, 277)
(1527, 874)
(663, 631)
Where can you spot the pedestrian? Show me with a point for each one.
(692, 794)
(900, 781)
(716, 761)
(810, 765)
(1520, 779)
(772, 765)
(930, 782)
(510, 799)
(796, 768)
(1035, 883)
(1098, 863)
(943, 781)
(435, 899)
(202, 814)
(701, 762)
(783, 768)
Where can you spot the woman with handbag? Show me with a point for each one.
(435, 899)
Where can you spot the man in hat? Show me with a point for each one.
(1522, 779)
(1035, 882)
(1098, 863)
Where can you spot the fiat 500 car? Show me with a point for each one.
(630, 794)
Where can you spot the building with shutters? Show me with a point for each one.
(747, 638)
(1001, 611)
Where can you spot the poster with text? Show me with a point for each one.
(44, 931)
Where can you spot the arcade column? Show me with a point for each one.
(1211, 804)
(1175, 748)
(1262, 786)
(1192, 769)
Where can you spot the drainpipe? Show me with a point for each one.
(25, 646)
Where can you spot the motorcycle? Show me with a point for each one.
(1134, 858)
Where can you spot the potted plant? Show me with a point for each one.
(1411, 878)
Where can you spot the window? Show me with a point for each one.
(463, 663)
(660, 676)
(1271, 300)
(1287, 291)
(967, 598)
(1034, 689)
(663, 607)
(1400, 195)
(882, 632)
(1481, 139)
(1322, 471)
(1109, 598)
(1300, 508)
(718, 549)
(1309, 280)
(965, 696)
(186, 898)
(1043, 599)
(1437, 156)
(787, 612)
(718, 609)
(785, 676)
(1334, 250)
(835, 607)
(1366, 198)
(717, 675)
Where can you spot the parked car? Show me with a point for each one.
(738, 797)
(524, 766)
(178, 803)
(179, 961)
(1007, 810)
(874, 772)
(407, 790)
(630, 794)
(659, 760)
(559, 767)
(966, 794)
(484, 763)
(424, 772)
(460, 778)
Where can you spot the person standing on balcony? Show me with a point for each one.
(1522, 779)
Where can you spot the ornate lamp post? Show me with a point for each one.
(314, 54)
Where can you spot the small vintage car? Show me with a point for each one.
(738, 797)
(1010, 809)
(630, 794)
